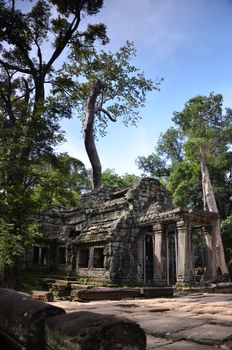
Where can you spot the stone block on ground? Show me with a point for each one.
(107, 294)
(42, 296)
(157, 292)
(88, 330)
(104, 293)
(60, 288)
(22, 319)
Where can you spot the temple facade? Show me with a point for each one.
(133, 235)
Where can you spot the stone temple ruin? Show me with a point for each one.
(128, 236)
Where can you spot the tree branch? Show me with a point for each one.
(14, 67)
(100, 109)
(39, 53)
(72, 28)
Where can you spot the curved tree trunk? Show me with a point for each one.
(89, 134)
(212, 206)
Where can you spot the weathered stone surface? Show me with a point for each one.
(184, 345)
(87, 330)
(163, 326)
(206, 333)
(125, 236)
(214, 308)
(22, 319)
(154, 342)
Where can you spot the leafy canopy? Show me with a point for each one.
(125, 86)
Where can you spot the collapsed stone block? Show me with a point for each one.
(42, 296)
(22, 319)
(88, 330)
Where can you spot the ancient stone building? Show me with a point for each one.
(132, 235)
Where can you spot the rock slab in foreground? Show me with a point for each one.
(87, 330)
(22, 319)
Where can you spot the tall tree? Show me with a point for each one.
(103, 86)
(208, 129)
(31, 43)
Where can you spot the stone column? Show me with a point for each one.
(184, 249)
(158, 256)
(210, 254)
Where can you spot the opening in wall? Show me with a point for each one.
(83, 257)
(44, 256)
(40, 255)
(148, 258)
(61, 255)
(35, 255)
(98, 257)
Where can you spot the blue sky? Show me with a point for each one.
(188, 43)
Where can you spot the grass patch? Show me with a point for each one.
(30, 284)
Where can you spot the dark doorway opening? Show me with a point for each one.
(171, 258)
(98, 258)
(198, 245)
(61, 255)
(148, 245)
(83, 260)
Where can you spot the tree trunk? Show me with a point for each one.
(212, 206)
(89, 134)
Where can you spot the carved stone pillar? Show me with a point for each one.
(184, 261)
(158, 254)
(210, 254)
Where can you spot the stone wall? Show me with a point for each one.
(105, 236)
(105, 218)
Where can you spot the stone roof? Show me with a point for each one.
(106, 213)
(196, 217)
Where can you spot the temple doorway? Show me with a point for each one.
(171, 255)
(148, 257)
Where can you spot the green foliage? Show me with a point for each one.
(200, 126)
(110, 178)
(208, 132)
(125, 86)
(10, 245)
(226, 226)
(153, 165)
(184, 183)
(61, 182)
(12, 242)
(198, 245)
(170, 145)
(32, 38)
(28, 285)
(169, 150)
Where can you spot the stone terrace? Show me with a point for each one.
(189, 322)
